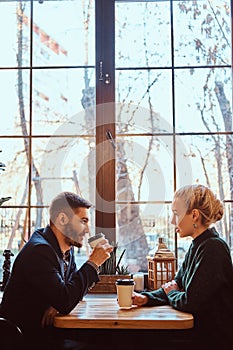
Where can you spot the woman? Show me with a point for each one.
(203, 285)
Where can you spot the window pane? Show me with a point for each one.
(63, 33)
(14, 88)
(59, 100)
(63, 164)
(210, 159)
(143, 228)
(142, 164)
(202, 33)
(14, 180)
(13, 37)
(145, 101)
(138, 26)
(203, 100)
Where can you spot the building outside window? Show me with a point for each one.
(121, 102)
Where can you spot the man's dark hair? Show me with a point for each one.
(67, 202)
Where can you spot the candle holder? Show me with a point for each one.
(161, 267)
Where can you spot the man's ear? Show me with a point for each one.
(63, 219)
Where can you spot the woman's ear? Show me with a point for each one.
(63, 219)
(195, 214)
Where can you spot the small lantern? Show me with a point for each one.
(161, 267)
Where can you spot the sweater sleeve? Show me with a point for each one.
(156, 297)
(205, 275)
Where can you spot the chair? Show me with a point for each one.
(11, 336)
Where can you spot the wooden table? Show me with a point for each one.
(97, 312)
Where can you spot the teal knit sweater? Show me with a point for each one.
(205, 280)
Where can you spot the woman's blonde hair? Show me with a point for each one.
(203, 199)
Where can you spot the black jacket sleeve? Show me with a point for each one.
(46, 277)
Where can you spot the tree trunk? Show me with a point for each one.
(227, 118)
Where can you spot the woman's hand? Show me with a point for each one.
(139, 299)
(172, 285)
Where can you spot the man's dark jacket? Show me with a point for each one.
(37, 281)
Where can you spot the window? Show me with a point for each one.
(121, 111)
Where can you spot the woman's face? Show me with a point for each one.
(182, 221)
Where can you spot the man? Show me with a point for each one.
(44, 278)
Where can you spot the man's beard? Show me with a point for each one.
(71, 236)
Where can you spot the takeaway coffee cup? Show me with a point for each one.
(125, 289)
(92, 241)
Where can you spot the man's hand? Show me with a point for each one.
(172, 285)
(139, 299)
(48, 317)
(101, 252)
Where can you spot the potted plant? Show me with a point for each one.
(110, 271)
